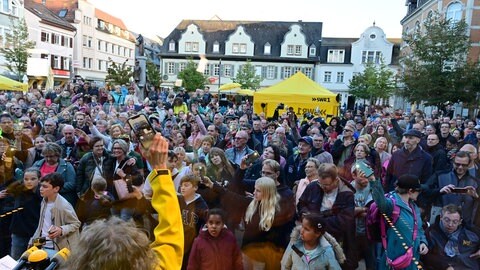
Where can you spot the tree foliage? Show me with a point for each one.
(16, 48)
(191, 78)
(153, 74)
(375, 82)
(437, 69)
(247, 78)
(119, 73)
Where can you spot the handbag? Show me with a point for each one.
(122, 190)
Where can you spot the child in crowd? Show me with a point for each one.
(98, 205)
(216, 247)
(311, 247)
(28, 199)
(193, 209)
(58, 220)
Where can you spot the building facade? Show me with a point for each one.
(10, 10)
(343, 58)
(277, 50)
(100, 38)
(54, 38)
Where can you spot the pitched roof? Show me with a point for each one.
(102, 15)
(56, 5)
(47, 16)
(261, 32)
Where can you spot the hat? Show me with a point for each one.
(307, 139)
(477, 127)
(409, 181)
(413, 132)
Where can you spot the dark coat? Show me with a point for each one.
(418, 163)
(468, 243)
(439, 158)
(215, 253)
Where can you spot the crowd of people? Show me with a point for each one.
(254, 192)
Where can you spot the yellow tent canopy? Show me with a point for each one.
(298, 92)
(9, 84)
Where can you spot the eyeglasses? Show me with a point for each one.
(460, 165)
(15, 109)
(453, 222)
(347, 130)
(117, 148)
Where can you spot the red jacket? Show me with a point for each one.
(215, 253)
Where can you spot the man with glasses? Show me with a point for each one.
(343, 147)
(318, 152)
(451, 244)
(443, 188)
(50, 127)
(16, 111)
(240, 148)
(334, 200)
(473, 168)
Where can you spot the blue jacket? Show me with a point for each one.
(231, 152)
(404, 225)
(68, 174)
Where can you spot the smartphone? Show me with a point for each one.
(143, 129)
(360, 165)
(251, 158)
(459, 190)
(201, 169)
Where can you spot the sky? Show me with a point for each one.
(341, 18)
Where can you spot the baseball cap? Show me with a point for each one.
(307, 139)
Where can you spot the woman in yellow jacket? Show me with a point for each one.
(179, 106)
(131, 246)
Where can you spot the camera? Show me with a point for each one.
(308, 116)
(281, 106)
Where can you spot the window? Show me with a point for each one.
(84, 40)
(70, 42)
(6, 6)
(114, 48)
(194, 46)
(287, 72)
(296, 69)
(56, 61)
(87, 20)
(100, 64)
(181, 66)
(107, 45)
(207, 69)
(87, 62)
(55, 39)
(271, 72)
(371, 57)
(336, 56)
(216, 69)
(171, 46)
(235, 48)
(298, 49)
(90, 42)
(243, 48)
(308, 72)
(66, 63)
(313, 50)
(99, 42)
(290, 49)
(227, 70)
(14, 8)
(340, 77)
(327, 76)
(63, 39)
(9, 7)
(45, 37)
(267, 49)
(101, 24)
(171, 68)
(454, 12)
(216, 47)
(188, 46)
(62, 13)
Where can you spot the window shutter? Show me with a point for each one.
(282, 72)
(176, 69)
(232, 72)
(71, 42)
(52, 60)
(264, 72)
(165, 71)
(61, 63)
(276, 73)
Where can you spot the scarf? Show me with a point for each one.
(451, 247)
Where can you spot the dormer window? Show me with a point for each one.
(216, 47)
(267, 49)
(171, 46)
(313, 50)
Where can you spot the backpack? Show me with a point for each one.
(375, 217)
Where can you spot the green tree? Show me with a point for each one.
(247, 78)
(437, 69)
(153, 74)
(374, 83)
(16, 48)
(191, 78)
(119, 73)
